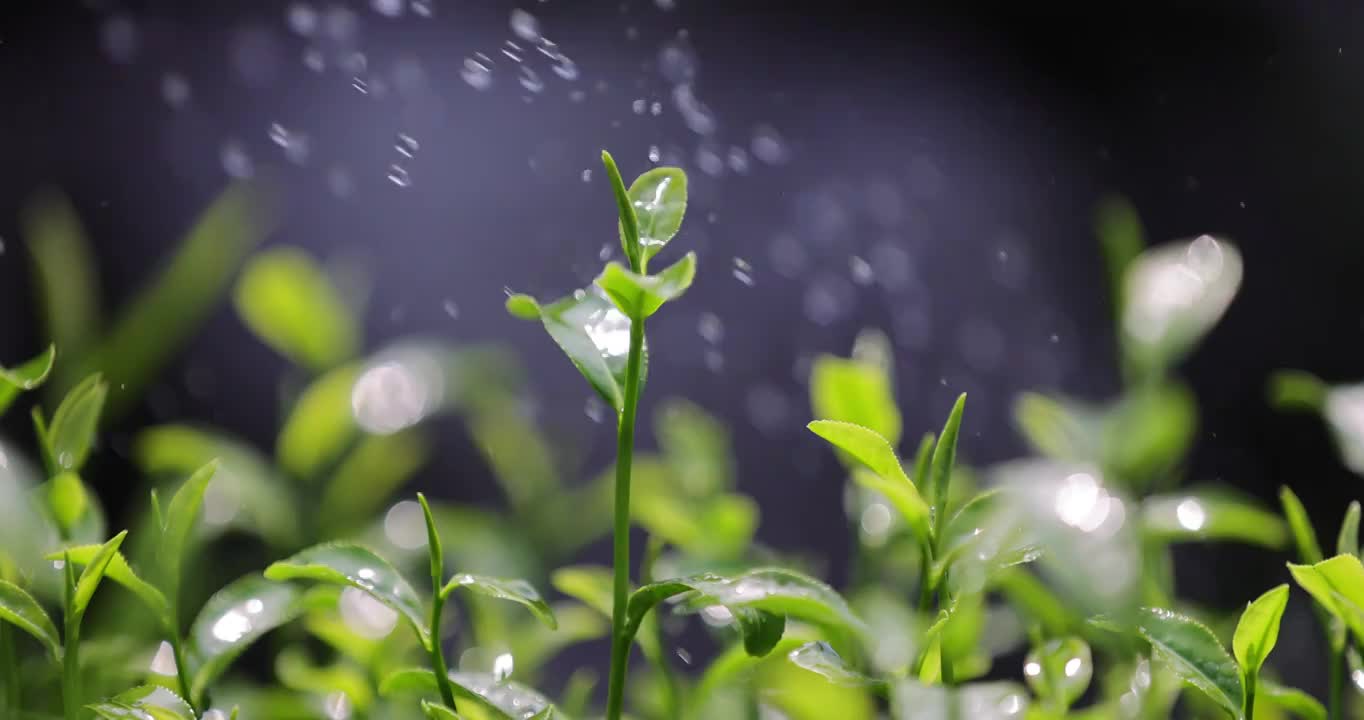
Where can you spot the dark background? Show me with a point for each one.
(958, 147)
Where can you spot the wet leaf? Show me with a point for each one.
(438, 712)
(1173, 295)
(855, 391)
(1212, 514)
(1347, 541)
(149, 702)
(181, 515)
(19, 608)
(234, 618)
(657, 201)
(354, 566)
(26, 376)
(291, 305)
(1190, 650)
(71, 433)
(640, 296)
(877, 455)
(944, 457)
(502, 700)
(1338, 585)
(516, 590)
(320, 426)
(120, 572)
(820, 658)
(1304, 535)
(1059, 670)
(1258, 630)
(93, 573)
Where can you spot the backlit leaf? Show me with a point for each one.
(516, 590)
(234, 618)
(1258, 630)
(659, 200)
(291, 304)
(321, 424)
(71, 433)
(1347, 540)
(854, 391)
(1059, 670)
(1338, 584)
(1212, 514)
(120, 572)
(26, 376)
(1190, 650)
(149, 702)
(352, 565)
(181, 515)
(1304, 535)
(640, 296)
(93, 573)
(872, 450)
(944, 457)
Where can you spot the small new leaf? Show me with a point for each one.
(148, 702)
(294, 307)
(515, 590)
(120, 572)
(1258, 630)
(640, 296)
(71, 433)
(27, 376)
(944, 456)
(19, 608)
(93, 573)
(1304, 535)
(878, 456)
(1347, 542)
(181, 514)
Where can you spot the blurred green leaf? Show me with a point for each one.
(1122, 239)
(354, 566)
(297, 671)
(912, 700)
(1059, 428)
(244, 477)
(888, 478)
(72, 430)
(19, 608)
(854, 391)
(66, 279)
(640, 296)
(120, 572)
(181, 515)
(153, 326)
(1059, 671)
(695, 447)
(67, 499)
(1338, 584)
(501, 699)
(93, 573)
(1258, 631)
(516, 590)
(820, 658)
(1190, 650)
(1304, 535)
(1211, 514)
(519, 454)
(368, 476)
(321, 425)
(234, 618)
(438, 712)
(590, 585)
(27, 376)
(291, 305)
(595, 336)
(1297, 390)
(1148, 431)
(1293, 700)
(1347, 540)
(149, 702)
(1173, 295)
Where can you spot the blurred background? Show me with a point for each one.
(930, 169)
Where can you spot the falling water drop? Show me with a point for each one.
(587, 175)
(653, 153)
(768, 146)
(477, 72)
(235, 161)
(530, 80)
(399, 176)
(525, 25)
(388, 8)
(302, 18)
(406, 146)
(424, 8)
(175, 90)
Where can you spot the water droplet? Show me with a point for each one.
(120, 38)
(406, 146)
(477, 72)
(743, 271)
(684, 656)
(769, 146)
(236, 163)
(525, 25)
(710, 327)
(502, 667)
(302, 19)
(738, 160)
(404, 525)
(530, 79)
(639, 106)
(279, 135)
(565, 68)
(587, 175)
(175, 89)
(861, 270)
(677, 62)
(653, 153)
(768, 409)
(714, 360)
(314, 60)
(340, 182)
(366, 616)
(1190, 514)
(709, 159)
(337, 706)
(399, 176)
(360, 84)
(827, 298)
(163, 663)
(697, 116)
(594, 409)
(666, 5)
(424, 8)
(340, 24)
(388, 8)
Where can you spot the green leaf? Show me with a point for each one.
(761, 630)
(500, 699)
(1297, 390)
(120, 572)
(321, 425)
(291, 305)
(27, 376)
(629, 222)
(149, 702)
(1148, 432)
(234, 618)
(912, 700)
(820, 658)
(296, 670)
(93, 573)
(595, 335)
(1122, 239)
(367, 477)
(590, 585)
(1059, 428)
(67, 499)
(152, 327)
(65, 277)
(872, 450)
(1338, 584)
(1304, 535)
(695, 447)
(1258, 630)
(438, 712)
(181, 514)
(19, 608)
(523, 306)
(659, 200)
(1347, 541)
(72, 430)
(1291, 699)
(944, 456)
(854, 391)
(1211, 514)
(1173, 295)
(1190, 650)
(350, 565)
(640, 296)
(516, 590)
(1059, 670)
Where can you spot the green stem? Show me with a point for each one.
(447, 692)
(71, 668)
(672, 698)
(10, 660)
(1337, 675)
(625, 447)
(182, 670)
(1250, 695)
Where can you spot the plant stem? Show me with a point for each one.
(447, 693)
(71, 668)
(1337, 676)
(182, 669)
(672, 699)
(1250, 695)
(625, 446)
(8, 658)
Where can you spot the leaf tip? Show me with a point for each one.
(523, 306)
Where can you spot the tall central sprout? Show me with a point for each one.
(601, 329)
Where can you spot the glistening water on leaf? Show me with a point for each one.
(820, 658)
(889, 478)
(496, 697)
(234, 618)
(148, 702)
(1059, 671)
(27, 376)
(351, 565)
(71, 432)
(1190, 650)
(516, 590)
(19, 608)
